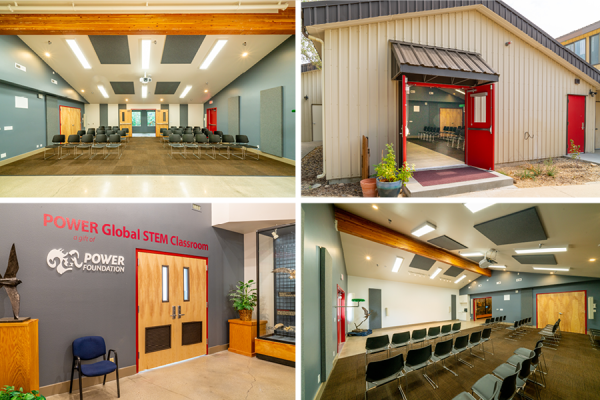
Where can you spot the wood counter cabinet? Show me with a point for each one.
(19, 356)
(242, 335)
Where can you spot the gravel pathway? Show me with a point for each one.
(312, 165)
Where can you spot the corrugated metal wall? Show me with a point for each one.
(361, 99)
(311, 87)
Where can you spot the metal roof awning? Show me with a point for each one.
(430, 64)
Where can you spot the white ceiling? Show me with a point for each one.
(227, 66)
(575, 225)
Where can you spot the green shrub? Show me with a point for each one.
(10, 393)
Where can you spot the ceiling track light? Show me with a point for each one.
(424, 229)
(78, 53)
(498, 266)
(397, 264)
(474, 254)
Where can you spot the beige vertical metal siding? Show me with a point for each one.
(361, 99)
(311, 87)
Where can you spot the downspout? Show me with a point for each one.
(321, 176)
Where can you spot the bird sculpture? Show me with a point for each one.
(292, 272)
(10, 282)
(367, 315)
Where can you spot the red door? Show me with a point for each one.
(211, 119)
(341, 319)
(403, 119)
(576, 122)
(479, 132)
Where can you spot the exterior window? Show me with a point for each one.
(595, 49)
(165, 283)
(578, 48)
(186, 284)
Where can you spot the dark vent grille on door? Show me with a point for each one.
(158, 338)
(191, 333)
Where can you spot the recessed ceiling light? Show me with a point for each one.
(244, 54)
(551, 269)
(397, 264)
(498, 266)
(213, 53)
(460, 279)
(542, 250)
(592, 259)
(423, 229)
(437, 271)
(144, 91)
(103, 91)
(78, 53)
(126, 99)
(368, 257)
(47, 54)
(475, 254)
(205, 90)
(375, 207)
(478, 206)
(146, 54)
(161, 99)
(82, 90)
(185, 91)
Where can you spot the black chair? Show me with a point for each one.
(456, 328)
(244, 143)
(433, 333)
(203, 143)
(446, 330)
(215, 143)
(376, 344)
(90, 348)
(460, 344)
(72, 143)
(381, 372)
(87, 141)
(100, 143)
(443, 350)
(525, 353)
(175, 142)
(123, 135)
(418, 336)
(114, 142)
(486, 336)
(417, 359)
(81, 132)
(189, 142)
(220, 133)
(165, 136)
(474, 341)
(487, 387)
(57, 143)
(400, 340)
(91, 131)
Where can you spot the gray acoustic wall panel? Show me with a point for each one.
(447, 243)
(271, 121)
(326, 294)
(123, 87)
(453, 271)
(375, 308)
(103, 114)
(233, 116)
(181, 49)
(527, 303)
(122, 106)
(420, 262)
(166, 87)
(520, 227)
(539, 259)
(183, 115)
(453, 307)
(164, 106)
(111, 49)
(52, 121)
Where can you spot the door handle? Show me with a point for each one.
(180, 314)
(174, 315)
(582, 125)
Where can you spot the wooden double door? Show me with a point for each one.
(70, 120)
(172, 308)
(570, 307)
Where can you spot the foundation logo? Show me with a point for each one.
(65, 261)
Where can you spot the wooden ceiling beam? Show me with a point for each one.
(282, 23)
(360, 227)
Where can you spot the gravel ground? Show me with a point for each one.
(312, 165)
(566, 172)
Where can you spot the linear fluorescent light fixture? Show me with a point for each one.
(146, 53)
(103, 91)
(423, 229)
(397, 264)
(478, 206)
(213, 53)
(460, 91)
(551, 269)
(498, 266)
(185, 91)
(460, 279)
(543, 250)
(79, 54)
(144, 91)
(437, 271)
(475, 254)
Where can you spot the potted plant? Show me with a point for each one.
(10, 393)
(244, 299)
(390, 179)
(369, 187)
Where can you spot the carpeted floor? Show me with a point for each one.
(146, 156)
(574, 372)
(441, 147)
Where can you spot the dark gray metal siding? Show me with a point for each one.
(328, 12)
(308, 67)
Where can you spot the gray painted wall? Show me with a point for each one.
(183, 115)
(428, 115)
(52, 118)
(276, 69)
(103, 114)
(80, 303)
(318, 229)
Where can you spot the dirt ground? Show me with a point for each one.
(560, 171)
(312, 165)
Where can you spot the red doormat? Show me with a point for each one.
(451, 175)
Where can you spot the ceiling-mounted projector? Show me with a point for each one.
(145, 79)
(486, 261)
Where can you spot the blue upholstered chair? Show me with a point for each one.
(89, 348)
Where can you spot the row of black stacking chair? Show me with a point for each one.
(518, 329)
(216, 142)
(86, 141)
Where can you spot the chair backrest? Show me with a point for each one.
(101, 127)
(114, 138)
(456, 326)
(400, 338)
(201, 138)
(220, 133)
(446, 328)
(91, 131)
(433, 331)
(504, 318)
(443, 348)
(81, 132)
(526, 367)
(87, 138)
(167, 132)
(377, 342)
(228, 139)
(419, 334)
(109, 132)
(418, 356)
(475, 337)
(101, 138)
(188, 137)
(58, 138)
(175, 138)
(89, 347)
(487, 321)
(214, 138)
(378, 370)
(461, 342)
(487, 332)
(241, 139)
(73, 138)
(122, 132)
(508, 388)
(540, 343)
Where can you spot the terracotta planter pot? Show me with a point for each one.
(389, 189)
(245, 315)
(369, 187)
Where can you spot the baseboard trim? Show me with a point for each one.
(63, 387)
(217, 349)
(21, 156)
(282, 159)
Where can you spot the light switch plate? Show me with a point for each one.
(8, 128)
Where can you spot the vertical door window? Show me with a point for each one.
(151, 120)
(480, 108)
(136, 118)
(186, 284)
(595, 49)
(165, 283)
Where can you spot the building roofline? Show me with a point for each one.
(578, 32)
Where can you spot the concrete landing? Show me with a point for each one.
(415, 189)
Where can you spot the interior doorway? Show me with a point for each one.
(143, 123)
(211, 119)
(482, 308)
(341, 318)
(70, 120)
(171, 303)
(570, 307)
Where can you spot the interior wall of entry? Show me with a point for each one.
(108, 114)
(86, 301)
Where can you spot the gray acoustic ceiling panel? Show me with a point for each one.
(420, 262)
(539, 259)
(447, 243)
(475, 259)
(520, 227)
(181, 49)
(453, 271)
(123, 87)
(166, 87)
(233, 115)
(111, 49)
(271, 121)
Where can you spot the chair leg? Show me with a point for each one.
(104, 383)
(118, 388)
(72, 372)
(80, 386)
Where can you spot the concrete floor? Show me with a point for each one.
(591, 157)
(223, 375)
(307, 147)
(425, 158)
(591, 189)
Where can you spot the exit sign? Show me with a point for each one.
(461, 105)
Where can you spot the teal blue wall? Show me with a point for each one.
(276, 69)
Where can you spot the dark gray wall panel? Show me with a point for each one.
(181, 49)
(233, 116)
(375, 308)
(183, 115)
(271, 121)
(453, 307)
(447, 243)
(52, 122)
(123, 87)
(527, 303)
(103, 114)
(520, 227)
(453, 271)
(326, 311)
(540, 259)
(111, 49)
(80, 303)
(422, 263)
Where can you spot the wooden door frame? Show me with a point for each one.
(585, 304)
(474, 308)
(584, 122)
(342, 320)
(60, 118)
(137, 314)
